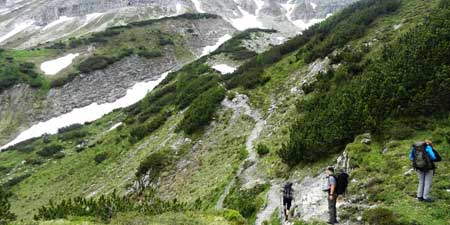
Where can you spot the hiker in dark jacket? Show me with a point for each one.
(332, 195)
(288, 197)
(423, 156)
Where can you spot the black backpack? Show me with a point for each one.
(341, 183)
(288, 191)
(421, 159)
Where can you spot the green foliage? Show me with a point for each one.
(410, 78)
(34, 160)
(107, 206)
(149, 54)
(234, 216)
(140, 131)
(234, 48)
(165, 41)
(95, 63)
(59, 155)
(155, 163)
(202, 110)
(380, 216)
(50, 150)
(72, 127)
(16, 180)
(6, 215)
(100, 157)
(262, 150)
(13, 72)
(244, 201)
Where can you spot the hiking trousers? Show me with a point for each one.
(425, 178)
(332, 209)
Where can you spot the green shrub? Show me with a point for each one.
(234, 216)
(401, 132)
(262, 150)
(72, 127)
(154, 163)
(6, 216)
(149, 54)
(100, 157)
(73, 135)
(380, 216)
(165, 41)
(16, 180)
(59, 155)
(50, 150)
(138, 132)
(95, 63)
(34, 161)
(202, 110)
(244, 201)
(107, 206)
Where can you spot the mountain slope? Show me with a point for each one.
(107, 66)
(183, 141)
(25, 24)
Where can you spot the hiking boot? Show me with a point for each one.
(427, 200)
(419, 199)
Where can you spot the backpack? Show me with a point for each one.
(288, 192)
(341, 183)
(421, 159)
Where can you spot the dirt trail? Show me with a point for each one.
(240, 106)
(273, 203)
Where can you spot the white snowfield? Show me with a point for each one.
(247, 21)
(17, 29)
(88, 113)
(224, 68)
(53, 67)
(198, 6)
(211, 48)
(60, 20)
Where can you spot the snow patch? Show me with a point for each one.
(259, 6)
(211, 48)
(302, 24)
(93, 16)
(60, 20)
(180, 8)
(397, 26)
(198, 6)
(246, 21)
(52, 67)
(313, 5)
(86, 114)
(17, 29)
(115, 126)
(224, 68)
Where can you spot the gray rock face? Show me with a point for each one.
(37, 21)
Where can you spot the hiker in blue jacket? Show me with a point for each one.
(423, 156)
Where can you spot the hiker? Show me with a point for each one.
(423, 156)
(288, 197)
(331, 189)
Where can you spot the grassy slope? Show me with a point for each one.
(78, 174)
(397, 191)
